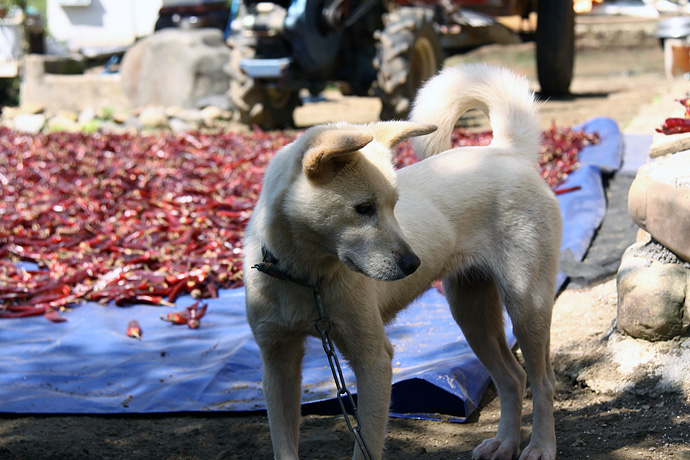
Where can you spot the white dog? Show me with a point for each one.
(333, 211)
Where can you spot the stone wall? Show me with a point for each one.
(74, 92)
(181, 68)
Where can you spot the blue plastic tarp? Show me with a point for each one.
(607, 155)
(88, 365)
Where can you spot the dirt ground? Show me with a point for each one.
(600, 413)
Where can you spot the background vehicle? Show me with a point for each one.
(386, 47)
(193, 14)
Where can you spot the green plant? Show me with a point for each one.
(91, 127)
(106, 113)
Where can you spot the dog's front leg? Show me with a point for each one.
(282, 373)
(370, 355)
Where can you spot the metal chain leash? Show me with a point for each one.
(323, 327)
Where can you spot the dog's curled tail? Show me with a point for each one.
(502, 95)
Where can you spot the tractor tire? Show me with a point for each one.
(255, 103)
(408, 52)
(555, 46)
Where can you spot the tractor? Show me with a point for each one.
(382, 47)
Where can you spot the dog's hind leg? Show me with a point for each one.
(530, 312)
(282, 373)
(475, 304)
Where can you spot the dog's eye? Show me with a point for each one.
(365, 209)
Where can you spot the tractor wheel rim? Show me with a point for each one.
(277, 98)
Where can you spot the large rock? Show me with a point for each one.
(653, 292)
(659, 201)
(63, 122)
(153, 117)
(175, 67)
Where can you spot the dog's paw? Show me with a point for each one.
(536, 453)
(496, 449)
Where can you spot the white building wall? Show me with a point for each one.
(100, 23)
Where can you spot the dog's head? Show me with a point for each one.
(343, 199)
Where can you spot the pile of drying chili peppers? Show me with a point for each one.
(559, 153)
(129, 218)
(677, 125)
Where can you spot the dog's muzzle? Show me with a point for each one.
(389, 267)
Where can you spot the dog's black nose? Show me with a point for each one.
(409, 263)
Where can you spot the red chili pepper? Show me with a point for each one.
(156, 300)
(176, 318)
(78, 277)
(212, 291)
(674, 126)
(567, 190)
(196, 312)
(227, 213)
(53, 289)
(13, 292)
(134, 329)
(176, 290)
(54, 316)
(191, 316)
(51, 297)
(35, 311)
(146, 257)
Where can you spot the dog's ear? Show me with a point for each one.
(391, 133)
(328, 150)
